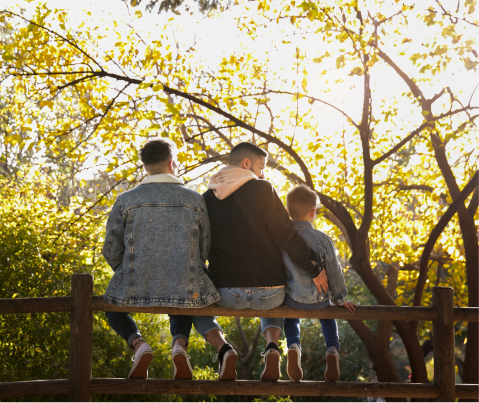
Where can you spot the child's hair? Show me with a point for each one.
(157, 150)
(300, 201)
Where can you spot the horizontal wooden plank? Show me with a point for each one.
(378, 312)
(261, 388)
(35, 305)
(467, 391)
(466, 314)
(9, 390)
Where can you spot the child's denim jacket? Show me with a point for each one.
(157, 241)
(299, 284)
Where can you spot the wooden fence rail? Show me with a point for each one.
(81, 385)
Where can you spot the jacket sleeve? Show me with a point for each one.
(337, 285)
(114, 246)
(286, 237)
(205, 233)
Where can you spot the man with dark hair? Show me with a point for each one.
(249, 227)
(157, 241)
(301, 293)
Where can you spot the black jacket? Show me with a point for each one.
(248, 230)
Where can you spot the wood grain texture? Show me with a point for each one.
(467, 391)
(81, 337)
(378, 312)
(35, 305)
(260, 388)
(443, 340)
(466, 314)
(10, 390)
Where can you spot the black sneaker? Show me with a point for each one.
(272, 363)
(227, 358)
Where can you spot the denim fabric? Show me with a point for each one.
(299, 285)
(124, 325)
(180, 326)
(292, 327)
(157, 241)
(260, 299)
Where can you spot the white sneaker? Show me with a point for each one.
(181, 363)
(141, 360)
(332, 365)
(295, 372)
(227, 369)
(272, 365)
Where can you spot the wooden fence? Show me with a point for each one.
(80, 386)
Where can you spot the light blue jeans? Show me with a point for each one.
(257, 298)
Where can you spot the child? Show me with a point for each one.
(301, 293)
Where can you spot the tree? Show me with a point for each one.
(125, 93)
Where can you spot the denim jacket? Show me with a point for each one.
(157, 241)
(299, 285)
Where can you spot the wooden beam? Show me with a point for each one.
(261, 388)
(443, 340)
(81, 337)
(467, 391)
(35, 305)
(375, 312)
(466, 314)
(10, 390)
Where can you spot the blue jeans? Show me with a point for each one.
(180, 325)
(292, 327)
(257, 298)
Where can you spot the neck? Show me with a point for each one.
(159, 173)
(308, 219)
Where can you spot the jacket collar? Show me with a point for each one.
(161, 178)
(301, 223)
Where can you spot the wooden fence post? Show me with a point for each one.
(81, 337)
(443, 341)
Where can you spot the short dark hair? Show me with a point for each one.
(300, 201)
(158, 150)
(246, 150)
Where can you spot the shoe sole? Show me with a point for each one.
(141, 369)
(332, 368)
(229, 365)
(271, 370)
(295, 372)
(182, 368)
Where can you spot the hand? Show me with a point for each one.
(321, 281)
(349, 305)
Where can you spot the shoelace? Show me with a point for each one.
(215, 357)
(187, 356)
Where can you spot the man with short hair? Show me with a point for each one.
(249, 227)
(157, 241)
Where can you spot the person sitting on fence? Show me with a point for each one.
(249, 226)
(157, 241)
(302, 204)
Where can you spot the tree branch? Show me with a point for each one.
(399, 145)
(246, 126)
(435, 233)
(473, 204)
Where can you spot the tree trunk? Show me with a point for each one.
(471, 248)
(378, 351)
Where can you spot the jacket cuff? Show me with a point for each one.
(339, 300)
(317, 270)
